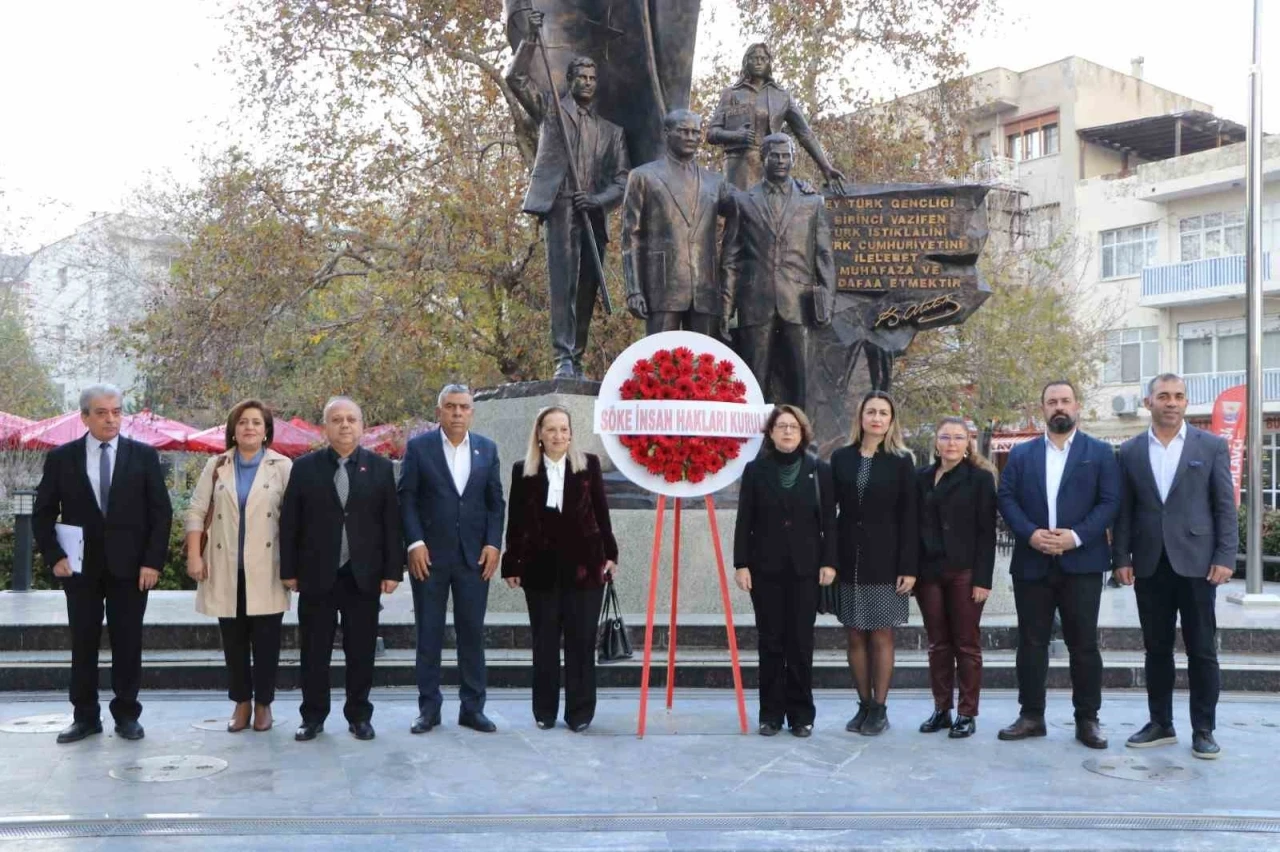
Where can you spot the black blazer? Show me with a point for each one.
(884, 527)
(776, 531)
(537, 554)
(965, 501)
(135, 531)
(311, 520)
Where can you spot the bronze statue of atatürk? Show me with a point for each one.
(779, 273)
(670, 256)
(750, 110)
(579, 174)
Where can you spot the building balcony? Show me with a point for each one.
(1195, 282)
(1203, 388)
(995, 171)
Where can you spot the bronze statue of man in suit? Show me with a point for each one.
(779, 272)
(751, 109)
(669, 249)
(599, 156)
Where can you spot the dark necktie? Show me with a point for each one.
(343, 486)
(104, 476)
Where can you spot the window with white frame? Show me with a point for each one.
(1125, 251)
(1133, 355)
(1218, 346)
(1211, 235)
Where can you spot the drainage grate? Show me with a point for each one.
(1159, 769)
(65, 828)
(168, 767)
(49, 723)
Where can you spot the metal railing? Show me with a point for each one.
(997, 171)
(1203, 388)
(1171, 279)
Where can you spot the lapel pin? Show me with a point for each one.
(364, 469)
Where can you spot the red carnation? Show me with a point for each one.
(662, 356)
(630, 389)
(668, 371)
(725, 368)
(643, 367)
(696, 473)
(685, 387)
(673, 473)
(706, 359)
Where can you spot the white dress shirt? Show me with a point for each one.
(1055, 463)
(458, 460)
(93, 449)
(1164, 460)
(555, 482)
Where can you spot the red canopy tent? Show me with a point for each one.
(56, 431)
(11, 426)
(176, 428)
(307, 427)
(390, 439)
(287, 439)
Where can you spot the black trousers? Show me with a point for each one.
(251, 647)
(317, 618)
(88, 597)
(786, 606)
(573, 282)
(1162, 599)
(1076, 597)
(573, 614)
(775, 352)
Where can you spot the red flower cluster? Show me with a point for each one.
(680, 374)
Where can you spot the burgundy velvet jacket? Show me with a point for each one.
(540, 555)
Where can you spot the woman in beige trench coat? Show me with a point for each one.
(238, 500)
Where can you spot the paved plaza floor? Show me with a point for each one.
(692, 783)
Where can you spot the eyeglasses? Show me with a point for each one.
(786, 427)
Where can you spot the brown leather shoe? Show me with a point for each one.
(262, 720)
(1024, 728)
(1089, 733)
(239, 718)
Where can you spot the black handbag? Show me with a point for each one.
(828, 596)
(611, 639)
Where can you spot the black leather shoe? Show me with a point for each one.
(77, 731)
(545, 726)
(1090, 734)
(579, 727)
(1151, 735)
(477, 722)
(361, 730)
(877, 721)
(424, 723)
(802, 731)
(854, 725)
(769, 729)
(1204, 746)
(308, 731)
(1024, 728)
(965, 726)
(940, 720)
(129, 729)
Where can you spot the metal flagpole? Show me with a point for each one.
(1253, 321)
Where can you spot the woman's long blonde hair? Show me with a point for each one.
(892, 441)
(533, 456)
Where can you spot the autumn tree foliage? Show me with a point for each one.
(370, 239)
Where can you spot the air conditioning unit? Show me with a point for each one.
(1126, 404)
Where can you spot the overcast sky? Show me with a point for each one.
(97, 95)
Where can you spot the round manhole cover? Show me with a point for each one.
(219, 724)
(49, 723)
(1157, 769)
(168, 767)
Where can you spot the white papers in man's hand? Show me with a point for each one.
(71, 540)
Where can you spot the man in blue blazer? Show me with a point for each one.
(1059, 495)
(451, 507)
(1175, 542)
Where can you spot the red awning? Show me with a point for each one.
(390, 439)
(287, 439)
(65, 428)
(318, 431)
(11, 426)
(176, 428)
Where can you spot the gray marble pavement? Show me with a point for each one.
(693, 782)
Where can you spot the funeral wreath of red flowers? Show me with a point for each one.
(679, 374)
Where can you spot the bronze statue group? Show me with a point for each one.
(855, 536)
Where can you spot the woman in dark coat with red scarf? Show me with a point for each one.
(561, 551)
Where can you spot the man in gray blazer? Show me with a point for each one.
(1175, 541)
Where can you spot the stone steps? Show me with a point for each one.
(509, 667)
